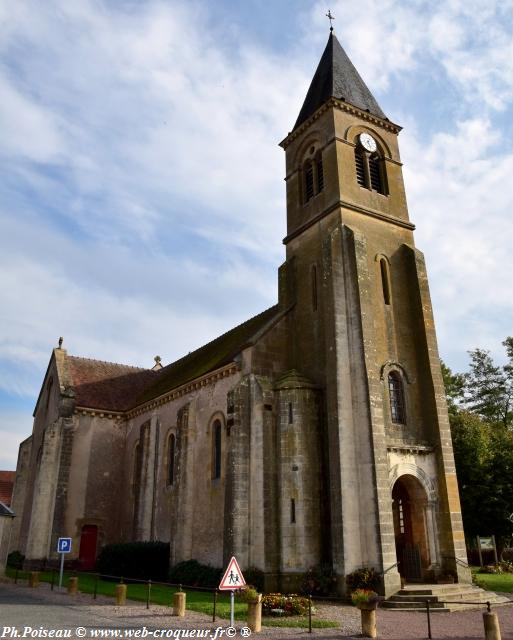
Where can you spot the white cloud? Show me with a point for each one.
(144, 185)
(14, 427)
(460, 198)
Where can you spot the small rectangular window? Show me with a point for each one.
(292, 511)
(291, 414)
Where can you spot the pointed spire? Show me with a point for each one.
(337, 77)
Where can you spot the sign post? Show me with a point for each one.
(63, 547)
(232, 581)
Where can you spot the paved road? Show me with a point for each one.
(22, 608)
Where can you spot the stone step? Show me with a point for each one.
(454, 597)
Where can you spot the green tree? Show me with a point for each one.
(454, 388)
(489, 387)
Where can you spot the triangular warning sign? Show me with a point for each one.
(233, 578)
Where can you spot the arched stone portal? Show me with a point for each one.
(409, 507)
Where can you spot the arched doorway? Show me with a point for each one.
(409, 502)
(88, 542)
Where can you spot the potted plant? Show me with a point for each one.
(367, 601)
(254, 600)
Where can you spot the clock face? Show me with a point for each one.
(368, 142)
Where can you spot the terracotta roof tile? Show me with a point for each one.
(106, 385)
(6, 486)
(117, 387)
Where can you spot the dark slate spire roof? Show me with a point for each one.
(337, 77)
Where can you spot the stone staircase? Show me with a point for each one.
(442, 597)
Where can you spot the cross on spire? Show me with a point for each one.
(330, 18)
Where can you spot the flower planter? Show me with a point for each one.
(255, 614)
(368, 615)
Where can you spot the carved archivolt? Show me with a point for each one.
(409, 469)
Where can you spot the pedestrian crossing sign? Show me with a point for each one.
(233, 578)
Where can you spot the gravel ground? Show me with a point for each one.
(21, 607)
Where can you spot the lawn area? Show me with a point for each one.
(200, 601)
(493, 581)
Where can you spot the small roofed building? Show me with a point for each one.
(314, 433)
(6, 486)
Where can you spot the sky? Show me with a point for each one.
(142, 203)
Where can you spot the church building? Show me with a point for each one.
(315, 432)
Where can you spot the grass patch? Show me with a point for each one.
(199, 601)
(493, 581)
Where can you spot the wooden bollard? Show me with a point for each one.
(34, 579)
(73, 586)
(120, 594)
(179, 603)
(255, 614)
(491, 626)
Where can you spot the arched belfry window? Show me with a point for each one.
(369, 164)
(171, 459)
(313, 175)
(396, 394)
(216, 449)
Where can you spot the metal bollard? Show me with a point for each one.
(215, 605)
(148, 594)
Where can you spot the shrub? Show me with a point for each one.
(288, 605)
(365, 578)
(193, 574)
(139, 560)
(319, 580)
(254, 577)
(15, 560)
(247, 594)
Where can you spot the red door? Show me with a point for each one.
(87, 553)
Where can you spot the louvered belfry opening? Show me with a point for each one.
(375, 173)
(320, 174)
(359, 160)
(369, 170)
(309, 182)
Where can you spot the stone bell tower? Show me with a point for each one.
(362, 330)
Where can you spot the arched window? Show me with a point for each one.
(370, 168)
(396, 393)
(171, 457)
(136, 471)
(385, 280)
(216, 449)
(312, 175)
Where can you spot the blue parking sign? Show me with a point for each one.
(64, 545)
